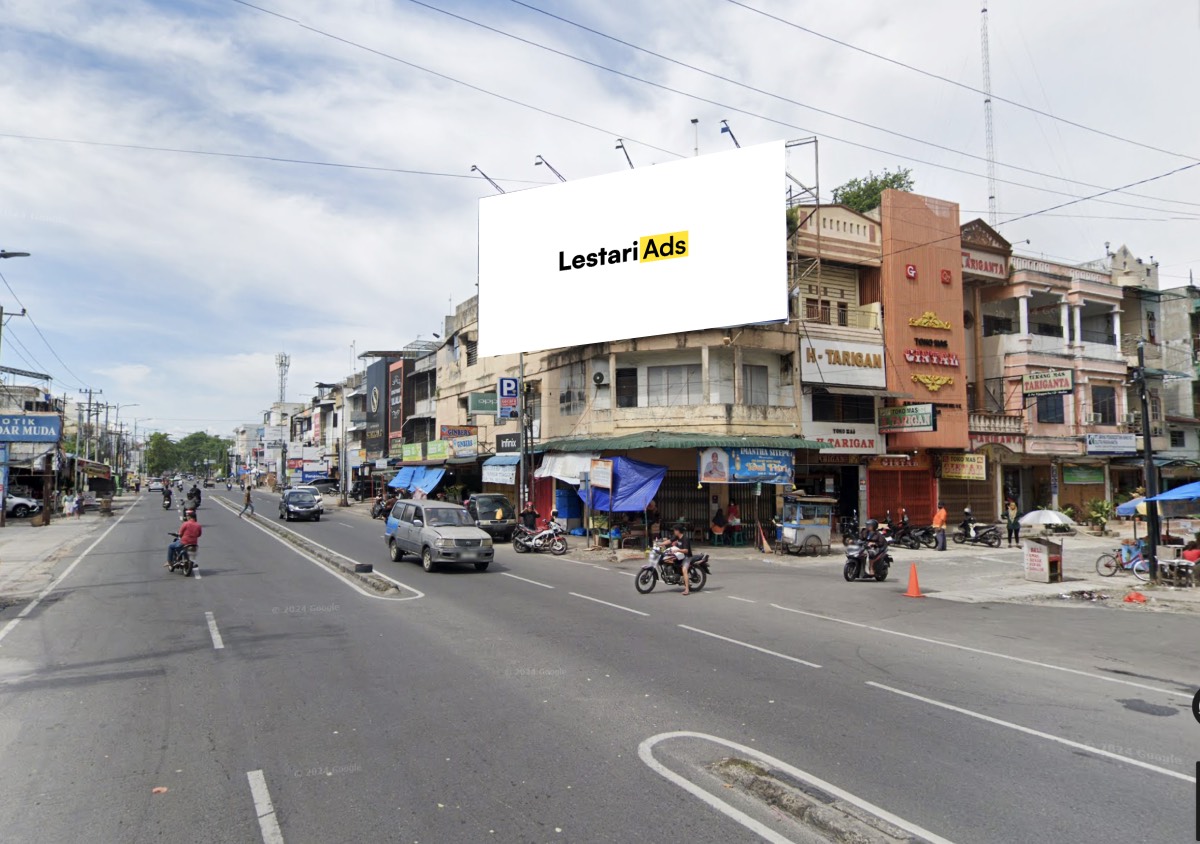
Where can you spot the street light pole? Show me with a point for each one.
(1152, 528)
(4, 464)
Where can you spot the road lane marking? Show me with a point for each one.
(214, 632)
(646, 754)
(627, 573)
(417, 593)
(268, 824)
(607, 604)
(343, 524)
(969, 649)
(751, 647)
(527, 580)
(1038, 733)
(28, 608)
(747, 600)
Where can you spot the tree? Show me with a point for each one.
(160, 454)
(864, 194)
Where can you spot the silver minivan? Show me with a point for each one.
(437, 532)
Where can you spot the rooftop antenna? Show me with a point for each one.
(726, 130)
(475, 169)
(987, 115)
(282, 363)
(539, 160)
(621, 147)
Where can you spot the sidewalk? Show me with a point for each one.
(29, 556)
(978, 574)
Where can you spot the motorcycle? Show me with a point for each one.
(379, 509)
(856, 563)
(663, 566)
(901, 534)
(552, 539)
(850, 529)
(184, 558)
(167, 502)
(924, 535)
(229, 485)
(974, 533)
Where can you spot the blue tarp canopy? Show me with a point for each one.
(507, 459)
(1180, 493)
(634, 484)
(412, 478)
(1130, 507)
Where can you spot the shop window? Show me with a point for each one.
(1104, 404)
(828, 407)
(472, 352)
(754, 385)
(573, 396)
(1177, 439)
(1050, 410)
(993, 325)
(627, 387)
(674, 385)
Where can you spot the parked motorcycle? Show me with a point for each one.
(379, 508)
(856, 563)
(973, 533)
(926, 536)
(850, 529)
(662, 566)
(552, 539)
(901, 534)
(184, 559)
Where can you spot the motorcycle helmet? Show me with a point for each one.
(872, 524)
(967, 511)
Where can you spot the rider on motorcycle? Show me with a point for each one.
(968, 523)
(194, 494)
(167, 495)
(189, 534)
(681, 549)
(875, 543)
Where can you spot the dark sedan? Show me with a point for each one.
(299, 504)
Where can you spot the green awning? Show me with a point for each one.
(672, 439)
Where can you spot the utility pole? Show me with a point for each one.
(1152, 528)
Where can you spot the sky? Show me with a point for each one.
(205, 184)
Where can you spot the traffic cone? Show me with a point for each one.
(914, 588)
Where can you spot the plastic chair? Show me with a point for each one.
(737, 537)
(716, 538)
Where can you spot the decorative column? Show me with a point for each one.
(1077, 308)
(1065, 318)
(703, 375)
(1116, 324)
(1023, 310)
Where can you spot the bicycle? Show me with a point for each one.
(1108, 565)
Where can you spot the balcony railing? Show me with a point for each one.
(994, 423)
(1101, 337)
(842, 317)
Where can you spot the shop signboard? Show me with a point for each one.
(1083, 474)
(396, 400)
(908, 419)
(1054, 382)
(600, 474)
(446, 432)
(964, 467)
(500, 474)
(436, 450)
(396, 447)
(844, 437)
(836, 362)
(1111, 443)
(746, 465)
(375, 439)
(412, 451)
(481, 404)
(508, 398)
(463, 446)
(30, 427)
(508, 443)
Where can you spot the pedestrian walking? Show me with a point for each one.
(939, 527)
(1012, 521)
(247, 503)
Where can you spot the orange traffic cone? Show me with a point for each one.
(914, 588)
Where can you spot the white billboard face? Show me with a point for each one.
(693, 244)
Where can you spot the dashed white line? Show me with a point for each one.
(1033, 732)
(751, 647)
(746, 600)
(607, 604)
(343, 524)
(268, 825)
(527, 580)
(214, 632)
(969, 649)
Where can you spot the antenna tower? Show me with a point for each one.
(987, 115)
(282, 362)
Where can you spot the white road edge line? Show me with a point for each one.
(214, 632)
(417, 593)
(746, 600)
(527, 580)
(748, 645)
(646, 753)
(1038, 733)
(969, 649)
(268, 825)
(28, 608)
(607, 604)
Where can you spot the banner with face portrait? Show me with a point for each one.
(746, 465)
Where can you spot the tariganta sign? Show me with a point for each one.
(30, 427)
(746, 465)
(909, 419)
(964, 467)
(1056, 382)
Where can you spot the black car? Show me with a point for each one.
(325, 486)
(494, 514)
(299, 504)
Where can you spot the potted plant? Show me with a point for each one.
(1099, 513)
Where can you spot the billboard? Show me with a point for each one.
(658, 236)
(396, 400)
(375, 439)
(746, 465)
(1056, 382)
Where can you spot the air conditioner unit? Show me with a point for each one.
(1095, 419)
(1133, 419)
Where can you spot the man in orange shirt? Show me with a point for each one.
(939, 526)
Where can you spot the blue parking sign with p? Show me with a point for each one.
(508, 393)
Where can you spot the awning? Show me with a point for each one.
(634, 485)
(1160, 462)
(506, 459)
(566, 467)
(863, 391)
(425, 478)
(672, 439)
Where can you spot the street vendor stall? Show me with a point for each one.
(806, 524)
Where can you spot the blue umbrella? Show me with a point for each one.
(1130, 507)
(1180, 493)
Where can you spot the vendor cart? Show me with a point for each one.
(806, 524)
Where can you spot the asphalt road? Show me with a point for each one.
(510, 705)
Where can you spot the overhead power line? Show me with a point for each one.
(32, 322)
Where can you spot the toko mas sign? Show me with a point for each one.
(683, 246)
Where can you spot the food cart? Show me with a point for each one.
(806, 524)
